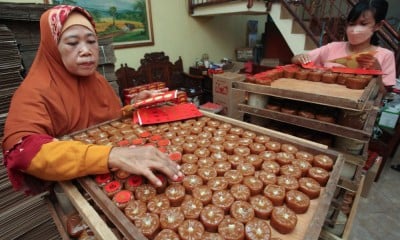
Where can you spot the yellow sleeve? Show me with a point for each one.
(65, 160)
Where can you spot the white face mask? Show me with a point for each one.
(358, 34)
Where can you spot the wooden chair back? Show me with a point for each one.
(154, 67)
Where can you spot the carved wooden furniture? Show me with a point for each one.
(156, 67)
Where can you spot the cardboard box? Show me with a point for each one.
(225, 95)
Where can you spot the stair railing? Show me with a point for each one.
(325, 19)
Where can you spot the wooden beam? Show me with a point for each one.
(89, 215)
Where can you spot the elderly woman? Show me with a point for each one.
(64, 93)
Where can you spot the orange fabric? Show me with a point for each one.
(51, 100)
(76, 18)
(64, 160)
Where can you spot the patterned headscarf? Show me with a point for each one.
(60, 19)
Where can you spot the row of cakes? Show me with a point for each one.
(320, 113)
(301, 132)
(352, 81)
(226, 163)
(347, 118)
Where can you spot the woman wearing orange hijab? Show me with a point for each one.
(64, 93)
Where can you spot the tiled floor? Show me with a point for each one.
(378, 215)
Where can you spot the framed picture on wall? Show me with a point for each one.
(127, 22)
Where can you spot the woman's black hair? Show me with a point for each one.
(377, 7)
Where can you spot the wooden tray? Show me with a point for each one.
(334, 95)
(309, 225)
(327, 235)
(331, 128)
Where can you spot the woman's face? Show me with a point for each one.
(361, 30)
(79, 50)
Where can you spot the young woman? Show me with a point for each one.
(64, 93)
(363, 21)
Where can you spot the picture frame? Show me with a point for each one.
(244, 54)
(127, 22)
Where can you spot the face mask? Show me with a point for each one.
(358, 34)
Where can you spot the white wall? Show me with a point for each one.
(393, 14)
(178, 34)
(394, 8)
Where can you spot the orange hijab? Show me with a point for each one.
(51, 100)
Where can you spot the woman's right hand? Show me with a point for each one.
(143, 160)
(367, 61)
(301, 59)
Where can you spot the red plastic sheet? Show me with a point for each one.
(166, 113)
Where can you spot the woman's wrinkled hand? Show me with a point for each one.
(144, 160)
(367, 61)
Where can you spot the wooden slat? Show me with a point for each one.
(313, 92)
(325, 235)
(358, 160)
(348, 184)
(353, 212)
(114, 214)
(95, 222)
(370, 123)
(315, 227)
(315, 124)
(369, 90)
(364, 154)
(57, 221)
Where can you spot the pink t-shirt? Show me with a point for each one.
(321, 56)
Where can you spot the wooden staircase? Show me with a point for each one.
(292, 31)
